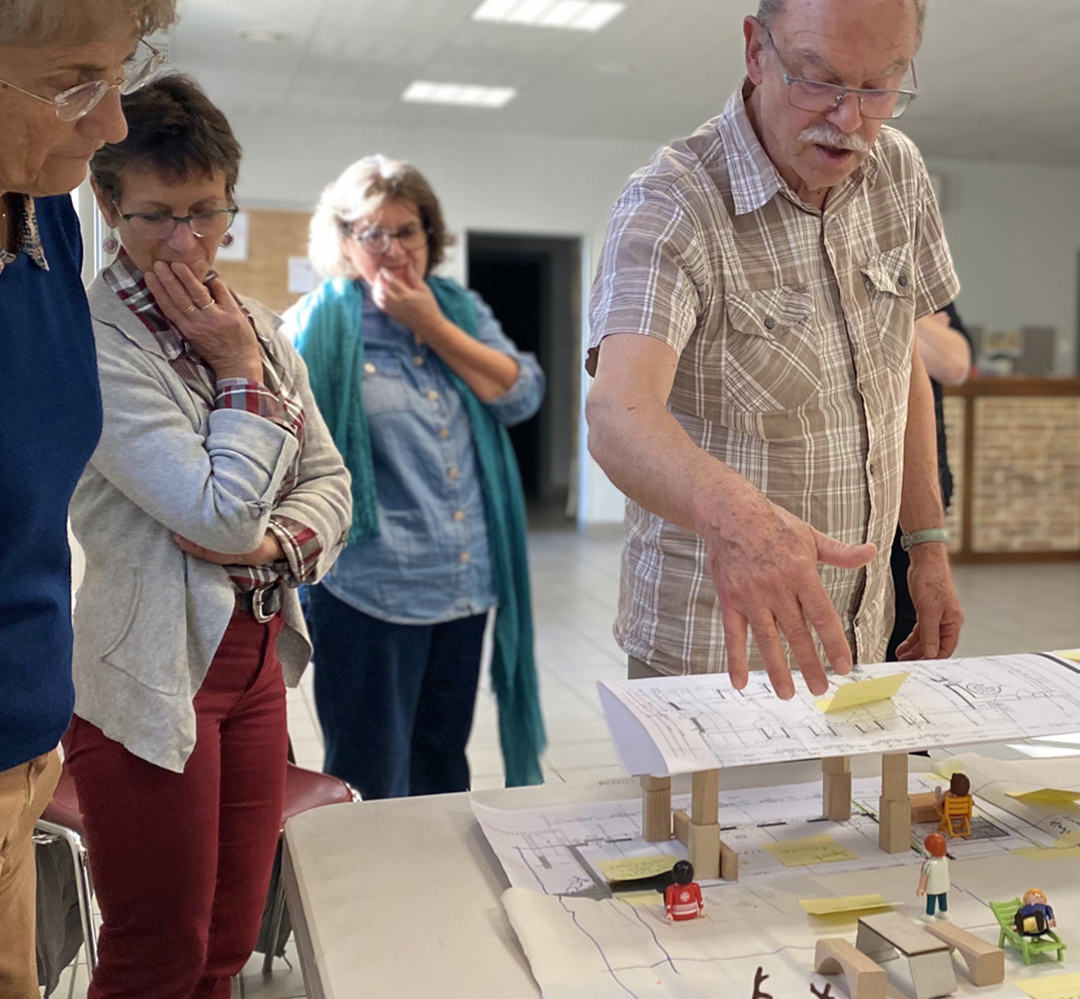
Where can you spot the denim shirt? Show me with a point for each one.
(431, 561)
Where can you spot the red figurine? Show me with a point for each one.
(683, 899)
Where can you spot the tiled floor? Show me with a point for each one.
(575, 583)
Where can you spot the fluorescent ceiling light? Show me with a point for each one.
(461, 94)
(577, 15)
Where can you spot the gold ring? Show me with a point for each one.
(190, 308)
(209, 305)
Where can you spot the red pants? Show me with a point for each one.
(181, 862)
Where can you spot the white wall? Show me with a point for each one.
(1014, 229)
(492, 182)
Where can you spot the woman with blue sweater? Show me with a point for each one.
(417, 383)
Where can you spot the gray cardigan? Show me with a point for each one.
(148, 617)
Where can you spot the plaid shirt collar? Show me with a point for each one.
(754, 177)
(21, 207)
(129, 285)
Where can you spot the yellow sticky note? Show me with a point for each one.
(847, 903)
(1051, 986)
(850, 695)
(1068, 841)
(632, 868)
(1048, 852)
(1073, 654)
(1046, 796)
(821, 849)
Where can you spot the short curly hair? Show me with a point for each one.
(174, 128)
(359, 191)
(38, 22)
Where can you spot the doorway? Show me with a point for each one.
(533, 285)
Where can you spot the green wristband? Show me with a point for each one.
(908, 541)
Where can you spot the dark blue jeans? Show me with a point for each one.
(395, 701)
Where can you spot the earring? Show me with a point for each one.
(227, 239)
(110, 244)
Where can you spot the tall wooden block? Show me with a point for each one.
(703, 849)
(836, 765)
(656, 808)
(729, 863)
(836, 795)
(894, 777)
(894, 829)
(705, 796)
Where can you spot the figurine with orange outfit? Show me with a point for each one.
(683, 898)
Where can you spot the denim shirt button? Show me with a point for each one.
(459, 515)
(433, 396)
(464, 557)
(418, 361)
(453, 473)
(444, 433)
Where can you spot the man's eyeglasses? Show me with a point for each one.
(378, 241)
(156, 227)
(824, 98)
(78, 101)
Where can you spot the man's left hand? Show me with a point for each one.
(937, 607)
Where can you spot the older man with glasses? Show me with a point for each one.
(757, 392)
(61, 66)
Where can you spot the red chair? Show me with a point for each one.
(62, 820)
(304, 790)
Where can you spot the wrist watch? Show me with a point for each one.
(908, 541)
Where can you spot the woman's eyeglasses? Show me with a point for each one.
(378, 241)
(78, 101)
(160, 226)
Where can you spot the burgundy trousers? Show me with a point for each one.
(181, 862)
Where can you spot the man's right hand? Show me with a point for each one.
(764, 562)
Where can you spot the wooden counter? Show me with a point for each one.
(1014, 450)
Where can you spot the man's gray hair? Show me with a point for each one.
(31, 23)
(768, 10)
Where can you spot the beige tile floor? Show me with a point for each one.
(575, 582)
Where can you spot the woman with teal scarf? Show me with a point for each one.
(417, 383)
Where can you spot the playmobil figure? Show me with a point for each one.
(959, 787)
(934, 878)
(1034, 917)
(683, 899)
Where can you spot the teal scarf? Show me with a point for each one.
(331, 342)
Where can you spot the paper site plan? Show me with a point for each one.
(683, 724)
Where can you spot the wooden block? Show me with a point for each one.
(705, 796)
(681, 826)
(924, 807)
(655, 783)
(864, 977)
(656, 813)
(985, 962)
(836, 796)
(703, 849)
(836, 765)
(894, 776)
(894, 828)
(729, 863)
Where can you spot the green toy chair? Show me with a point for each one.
(1049, 941)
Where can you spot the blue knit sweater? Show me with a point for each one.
(50, 425)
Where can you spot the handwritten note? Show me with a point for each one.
(850, 695)
(633, 868)
(821, 849)
(846, 903)
(1051, 986)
